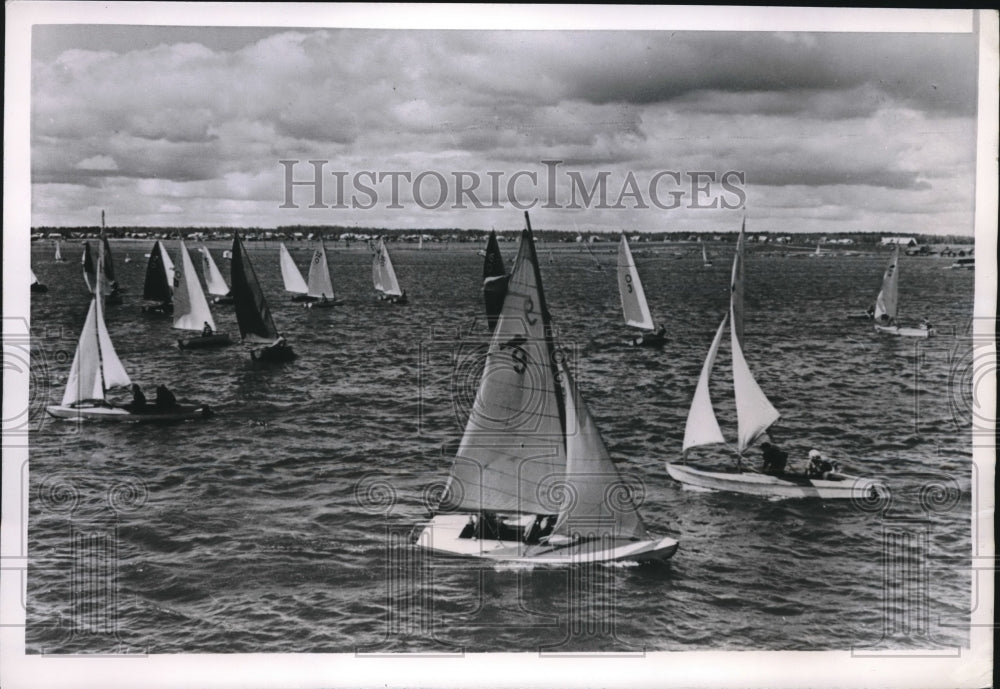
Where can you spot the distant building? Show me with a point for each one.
(904, 241)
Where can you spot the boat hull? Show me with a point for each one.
(117, 413)
(896, 331)
(837, 487)
(391, 298)
(223, 300)
(648, 340)
(328, 304)
(158, 310)
(442, 536)
(298, 298)
(205, 341)
(273, 354)
(39, 287)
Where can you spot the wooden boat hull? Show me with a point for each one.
(204, 341)
(39, 287)
(273, 354)
(116, 413)
(392, 298)
(647, 340)
(328, 304)
(441, 536)
(897, 331)
(836, 487)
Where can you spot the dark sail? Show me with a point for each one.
(252, 314)
(495, 280)
(89, 271)
(109, 264)
(156, 287)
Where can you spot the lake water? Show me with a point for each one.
(281, 523)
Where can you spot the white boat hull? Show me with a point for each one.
(905, 332)
(441, 536)
(836, 487)
(120, 414)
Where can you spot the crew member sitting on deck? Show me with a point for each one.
(819, 466)
(774, 459)
(164, 398)
(207, 330)
(138, 399)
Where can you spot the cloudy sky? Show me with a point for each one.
(819, 132)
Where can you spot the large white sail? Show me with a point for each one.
(702, 426)
(290, 273)
(191, 311)
(386, 282)
(736, 288)
(213, 277)
(633, 297)
(320, 284)
(754, 412)
(168, 267)
(887, 302)
(377, 268)
(512, 455)
(597, 502)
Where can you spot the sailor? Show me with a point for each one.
(774, 459)
(164, 398)
(207, 330)
(138, 399)
(323, 298)
(819, 466)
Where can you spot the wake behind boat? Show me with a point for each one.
(532, 481)
(257, 328)
(887, 305)
(191, 310)
(755, 415)
(633, 298)
(96, 369)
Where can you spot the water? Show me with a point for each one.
(280, 524)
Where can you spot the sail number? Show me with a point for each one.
(517, 352)
(529, 308)
(628, 283)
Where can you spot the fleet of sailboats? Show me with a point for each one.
(755, 415)
(633, 298)
(887, 305)
(384, 276)
(257, 329)
(191, 310)
(496, 505)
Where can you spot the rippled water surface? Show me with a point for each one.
(280, 524)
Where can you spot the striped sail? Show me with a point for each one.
(887, 302)
(191, 311)
(319, 274)
(289, 272)
(702, 426)
(633, 297)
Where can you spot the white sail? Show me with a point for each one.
(702, 427)
(704, 255)
(191, 311)
(597, 503)
(887, 302)
(290, 273)
(96, 366)
(34, 278)
(754, 412)
(213, 277)
(58, 251)
(377, 269)
(168, 267)
(320, 284)
(633, 297)
(386, 273)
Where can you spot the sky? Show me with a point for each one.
(685, 130)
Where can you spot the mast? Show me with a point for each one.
(736, 288)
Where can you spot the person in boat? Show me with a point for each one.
(323, 299)
(207, 330)
(775, 459)
(925, 324)
(164, 398)
(138, 399)
(819, 466)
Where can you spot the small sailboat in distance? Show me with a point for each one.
(89, 268)
(755, 415)
(542, 490)
(59, 257)
(320, 285)
(257, 328)
(96, 369)
(216, 284)
(887, 305)
(706, 262)
(291, 276)
(158, 286)
(36, 286)
(384, 276)
(111, 289)
(494, 280)
(633, 298)
(191, 310)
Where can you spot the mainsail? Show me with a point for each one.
(704, 254)
(754, 412)
(252, 313)
(702, 427)
(494, 280)
(213, 278)
(736, 288)
(109, 265)
(59, 256)
(191, 311)
(89, 269)
(96, 366)
(633, 297)
(887, 302)
(289, 272)
(158, 285)
(512, 456)
(383, 272)
(319, 274)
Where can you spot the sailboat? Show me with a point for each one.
(633, 299)
(755, 415)
(257, 328)
(320, 285)
(818, 252)
(89, 268)
(384, 276)
(705, 261)
(159, 284)
(216, 284)
(191, 310)
(111, 290)
(96, 369)
(887, 304)
(36, 286)
(291, 276)
(532, 481)
(59, 256)
(495, 279)
(598, 266)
